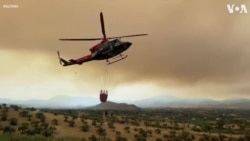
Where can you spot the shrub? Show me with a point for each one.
(54, 122)
(13, 121)
(85, 127)
(4, 116)
(71, 123)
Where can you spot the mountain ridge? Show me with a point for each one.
(85, 102)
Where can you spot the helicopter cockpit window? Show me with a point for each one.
(117, 42)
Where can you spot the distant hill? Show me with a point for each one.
(114, 106)
(54, 102)
(206, 103)
(162, 101)
(230, 103)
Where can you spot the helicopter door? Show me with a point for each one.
(117, 42)
(112, 45)
(106, 48)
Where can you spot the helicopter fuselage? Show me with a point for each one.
(110, 49)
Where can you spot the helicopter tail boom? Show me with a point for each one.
(78, 61)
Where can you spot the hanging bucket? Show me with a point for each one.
(103, 97)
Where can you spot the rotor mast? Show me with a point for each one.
(103, 26)
(103, 34)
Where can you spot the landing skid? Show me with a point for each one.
(120, 57)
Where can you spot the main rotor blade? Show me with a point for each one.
(102, 25)
(94, 39)
(127, 36)
(81, 39)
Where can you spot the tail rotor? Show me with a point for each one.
(59, 57)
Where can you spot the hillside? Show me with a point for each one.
(114, 106)
(81, 125)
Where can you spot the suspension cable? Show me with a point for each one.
(106, 71)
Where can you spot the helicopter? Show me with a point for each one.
(109, 50)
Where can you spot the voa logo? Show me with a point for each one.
(232, 8)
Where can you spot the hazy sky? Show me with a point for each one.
(195, 49)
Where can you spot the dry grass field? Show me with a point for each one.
(145, 125)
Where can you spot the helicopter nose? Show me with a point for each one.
(128, 44)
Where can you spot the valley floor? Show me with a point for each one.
(19, 124)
